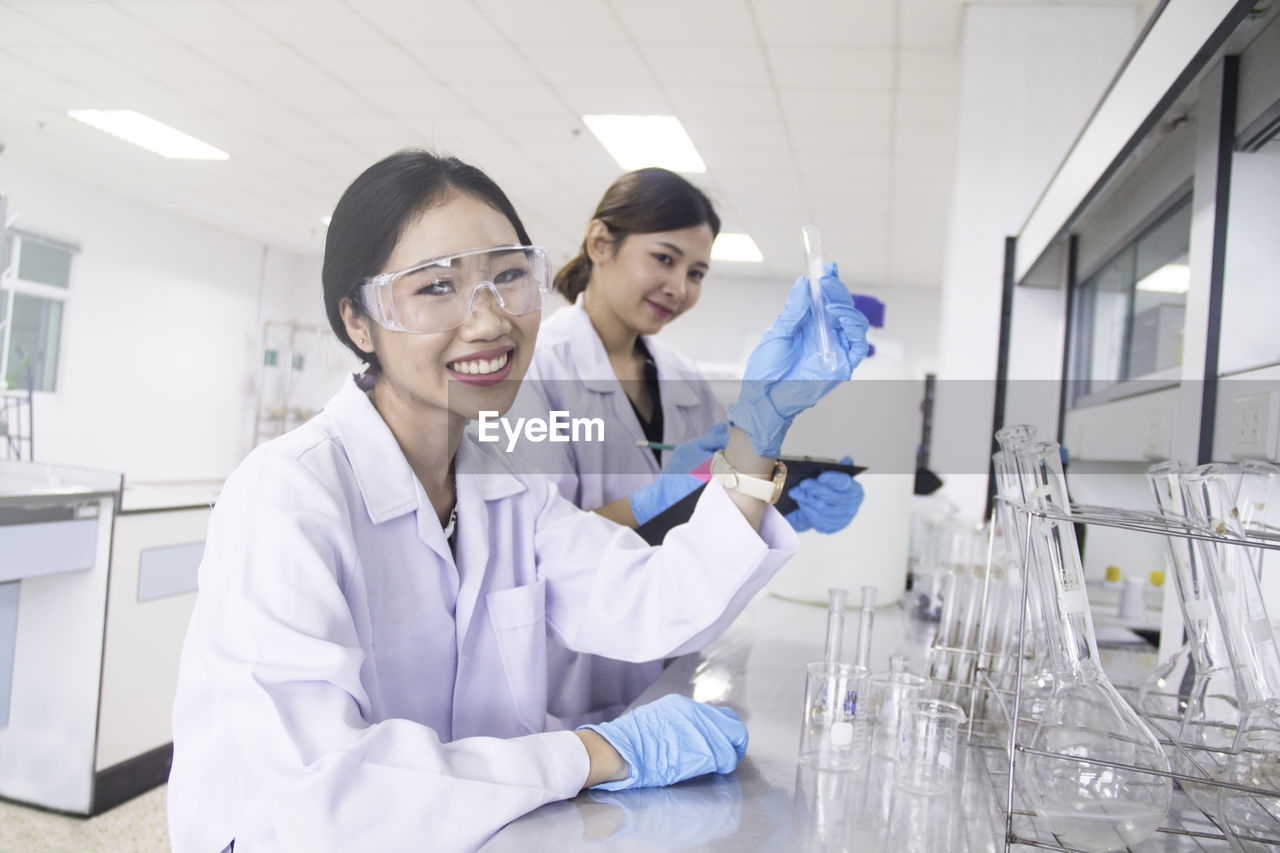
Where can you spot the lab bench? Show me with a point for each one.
(97, 581)
(771, 803)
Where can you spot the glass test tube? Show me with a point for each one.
(866, 617)
(813, 256)
(835, 624)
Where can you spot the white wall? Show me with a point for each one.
(1031, 75)
(732, 313)
(161, 347)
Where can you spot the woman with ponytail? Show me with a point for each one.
(641, 265)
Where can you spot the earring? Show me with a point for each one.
(361, 341)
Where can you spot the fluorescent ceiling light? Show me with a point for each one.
(1170, 278)
(640, 141)
(736, 247)
(148, 133)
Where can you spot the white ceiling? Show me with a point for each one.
(839, 112)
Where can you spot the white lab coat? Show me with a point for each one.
(347, 685)
(571, 372)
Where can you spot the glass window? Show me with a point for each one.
(33, 343)
(43, 263)
(1129, 315)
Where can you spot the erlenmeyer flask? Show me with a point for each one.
(1251, 646)
(1090, 806)
(1209, 714)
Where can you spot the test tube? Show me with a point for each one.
(813, 256)
(866, 616)
(835, 623)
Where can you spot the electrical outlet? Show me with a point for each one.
(1254, 422)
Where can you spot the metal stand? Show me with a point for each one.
(1195, 827)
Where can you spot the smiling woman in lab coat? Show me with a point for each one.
(365, 667)
(642, 264)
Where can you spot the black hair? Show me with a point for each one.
(375, 210)
(640, 202)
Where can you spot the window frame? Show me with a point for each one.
(11, 285)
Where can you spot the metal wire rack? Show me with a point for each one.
(1000, 677)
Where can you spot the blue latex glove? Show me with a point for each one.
(785, 374)
(825, 503)
(675, 482)
(671, 739)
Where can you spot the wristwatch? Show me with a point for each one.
(756, 487)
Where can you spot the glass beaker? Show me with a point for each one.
(928, 745)
(1203, 702)
(831, 735)
(886, 695)
(1250, 644)
(1089, 750)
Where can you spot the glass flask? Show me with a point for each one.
(1037, 669)
(1204, 701)
(1253, 816)
(1090, 806)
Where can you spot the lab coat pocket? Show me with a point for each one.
(518, 617)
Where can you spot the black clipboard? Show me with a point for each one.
(798, 468)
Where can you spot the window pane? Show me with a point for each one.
(33, 342)
(1106, 319)
(1162, 278)
(6, 252)
(45, 264)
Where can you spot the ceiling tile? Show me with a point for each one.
(231, 98)
(930, 23)
(268, 63)
(736, 132)
(842, 68)
(701, 23)
(561, 129)
(521, 99)
(459, 63)
(71, 63)
(144, 96)
(929, 108)
(850, 139)
(308, 98)
(17, 28)
(553, 21)
(840, 166)
(596, 99)
(59, 96)
(928, 70)
(422, 26)
(198, 22)
(825, 104)
(589, 63)
(715, 65)
(312, 22)
(826, 23)
(755, 104)
(412, 97)
(94, 23)
(170, 64)
(924, 139)
(14, 70)
(460, 128)
(730, 159)
(365, 63)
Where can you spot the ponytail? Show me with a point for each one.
(572, 278)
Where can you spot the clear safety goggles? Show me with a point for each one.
(439, 294)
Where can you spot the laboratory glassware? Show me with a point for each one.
(1204, 706)
(836, 599)
(830, 738)
(1037, 670)
(1089, 751)
(813, 258)
(886, 694)
(928, 745)
(1250, 644)
(866, 619)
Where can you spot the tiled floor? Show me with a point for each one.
(137, 826)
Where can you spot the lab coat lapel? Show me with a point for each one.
(682, 417)
(387, 483)
(480, 478)
(596, 374)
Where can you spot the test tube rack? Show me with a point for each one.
(999, 677)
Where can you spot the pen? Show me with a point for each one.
(655, 445)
